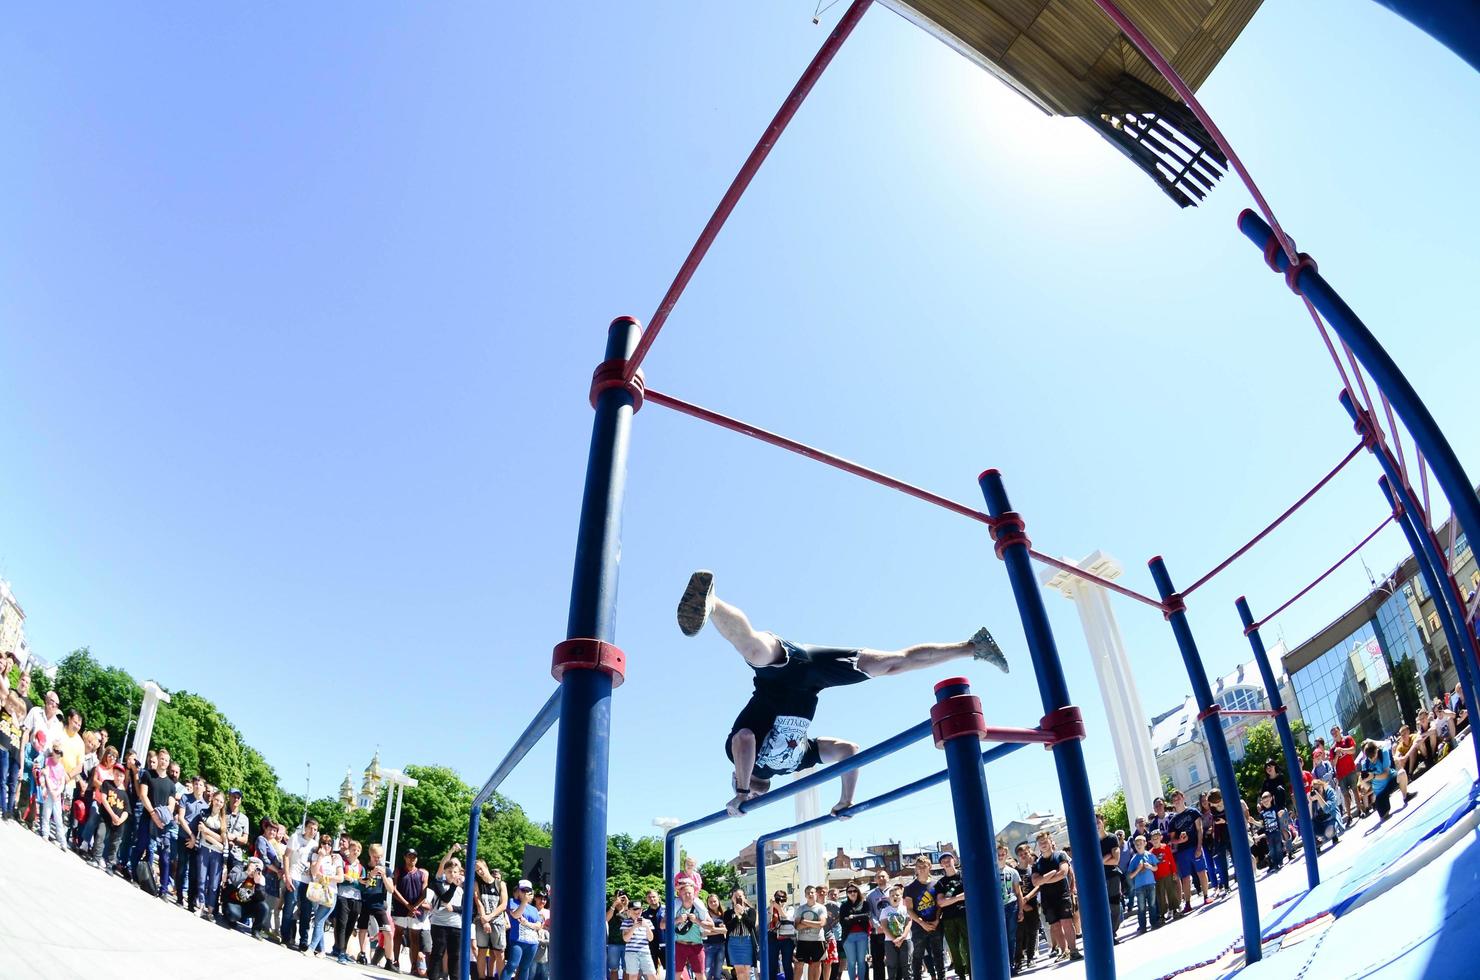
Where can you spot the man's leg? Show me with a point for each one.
(836, 750)
(882, 663)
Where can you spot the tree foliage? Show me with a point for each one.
(434, 813)
(1114, 812)
(1405, 685)
(1263, 742)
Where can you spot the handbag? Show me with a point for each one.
(320, 893)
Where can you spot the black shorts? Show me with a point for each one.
(1056, 909)
(376, 912)
(810, 951)
(784, 748)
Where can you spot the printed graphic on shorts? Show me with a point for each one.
(785, 744)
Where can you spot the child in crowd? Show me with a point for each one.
(1273, 818)
(53, 780)
(1168, 891)
(1142, 874)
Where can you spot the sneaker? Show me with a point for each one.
(341, 959)
(693, 607)
(983, 647)
(1075, 956)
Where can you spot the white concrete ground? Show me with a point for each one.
(60, 920)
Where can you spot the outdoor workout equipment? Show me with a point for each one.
(958, 726)
(1184, 150)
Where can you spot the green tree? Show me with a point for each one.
(107, 696)
(719, 877)
(1263, 742)
(1405, 684)
(1114, 812)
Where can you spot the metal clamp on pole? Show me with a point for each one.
(584, 653)
(957, 721)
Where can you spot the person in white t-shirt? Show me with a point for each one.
(297, 909)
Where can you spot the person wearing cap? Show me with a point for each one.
(409, 900)
(244, 899)
(527, 923)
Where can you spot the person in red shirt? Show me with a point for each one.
(1344, 752)
(1168, 893)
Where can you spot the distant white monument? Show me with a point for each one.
(153, 694)
(1129, 732)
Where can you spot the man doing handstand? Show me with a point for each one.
(769, 738)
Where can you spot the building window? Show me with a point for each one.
(1193, 776)
(1349, 685)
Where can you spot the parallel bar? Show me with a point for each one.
(1327, 573)
(582, 751)
(1217, 745)
(882, 479)
(1454, 25)
(1276, 523)
(893, 796)
(1225, 712)
(1287, 742)
(858, 760)
(1068, 756)
(527, 740)
(742, 180)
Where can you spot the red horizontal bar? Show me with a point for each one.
(1276, 523)
(655, 397)
(1324, 575)
(1103, 583)
(811, 452)
(1261, 713)
(1025, 736)
(763, 147)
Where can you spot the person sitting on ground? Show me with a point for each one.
(1325, 812)
(1425, 742)
(1381, 777)
(1457, 705)
(1444, 728)
(1405, 749)
(244, 899)
(770, 737)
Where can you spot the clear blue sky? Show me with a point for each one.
(299, 306)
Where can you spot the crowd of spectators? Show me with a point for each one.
(191, 844)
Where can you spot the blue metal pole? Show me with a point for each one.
(582, 753)
(762, 915)
(1287, 742)
(670, 869)
(986, 930)
(1068, 756)
(527, 740)
(1423, 549)
(1431, 562)
(1453, 23)
(1448, 472)
(1238, 829)
(470, 895)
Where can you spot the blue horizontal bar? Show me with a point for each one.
(526, 741)
(857, 761)
(908, 789)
